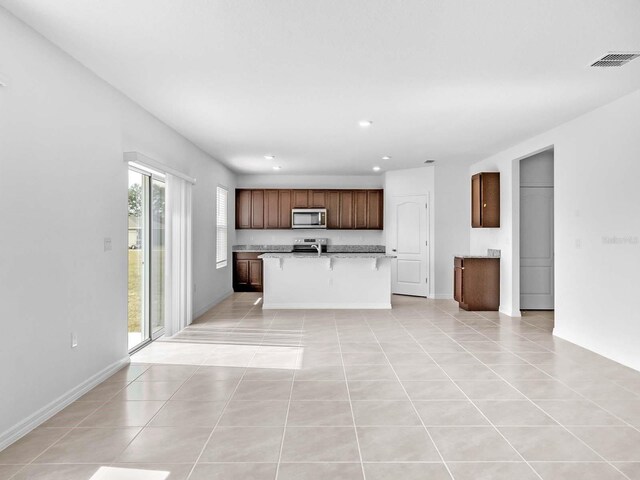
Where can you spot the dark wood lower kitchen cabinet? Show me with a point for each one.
(247, 272)
(476, 283)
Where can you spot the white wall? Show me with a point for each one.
(285, 237)
(452, 219)
(63, 189)
(597, 226)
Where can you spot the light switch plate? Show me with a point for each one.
(107, 244)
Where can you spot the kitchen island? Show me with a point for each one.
(330, 280)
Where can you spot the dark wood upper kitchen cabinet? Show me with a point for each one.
(271, 209)
(485, 200)
(247, 272)
(375, 209)
(360, 209)
(332, 204)
(346, 209)
(243, 209)
(300, 199)
(317, 199)
(257, 208)
(476, 283)
(284, 208)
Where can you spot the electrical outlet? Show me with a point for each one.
(74, 339)
(578, 243)
(107, 244)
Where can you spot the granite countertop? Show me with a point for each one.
(262, 248)
(477, 256)
(325, 255)
(330, 248)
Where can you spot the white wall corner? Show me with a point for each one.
(36, 419)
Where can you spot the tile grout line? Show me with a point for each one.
(206, 443)
(71, 429)
(415, 410)
(464, 393)
(353, 417)
(286, 418)
(527, 397)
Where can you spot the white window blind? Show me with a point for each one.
(221, 227)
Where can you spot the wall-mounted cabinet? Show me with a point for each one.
(485, 200)
(346, 209)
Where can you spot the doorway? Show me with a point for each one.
(537, 232)
(146, 242)
(409, 232)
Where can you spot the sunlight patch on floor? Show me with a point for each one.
(112, 473)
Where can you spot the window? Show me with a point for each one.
(221, 227)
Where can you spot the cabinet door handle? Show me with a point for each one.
(485, 205)
(393, 250)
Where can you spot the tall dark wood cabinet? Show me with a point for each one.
(360, 209)
(375, 209)
(346, 209)
(271, 209)
(247, 272)
(257, 208)
(243, 209)
(485, 200)
(284, 209)
(476, 283)
(332, 204)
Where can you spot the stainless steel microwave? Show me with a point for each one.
(309, 218)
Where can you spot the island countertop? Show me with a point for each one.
(324, 255)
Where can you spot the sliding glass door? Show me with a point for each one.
(146, 240)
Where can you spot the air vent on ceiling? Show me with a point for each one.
(615, 59)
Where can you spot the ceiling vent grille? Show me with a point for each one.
(615, 59)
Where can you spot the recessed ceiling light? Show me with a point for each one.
(376, 169)
(386, 157)
(269, 157)
(277, 167)
(365, 123)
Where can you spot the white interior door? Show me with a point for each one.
(536, 248)
(408, 241)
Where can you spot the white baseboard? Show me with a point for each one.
(212, 303)
(510, 312)
(36, 419)
(338, 306)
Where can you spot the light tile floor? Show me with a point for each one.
(424, 391)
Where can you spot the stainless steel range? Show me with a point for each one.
(310, 245)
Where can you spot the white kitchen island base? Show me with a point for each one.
(332, 280)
